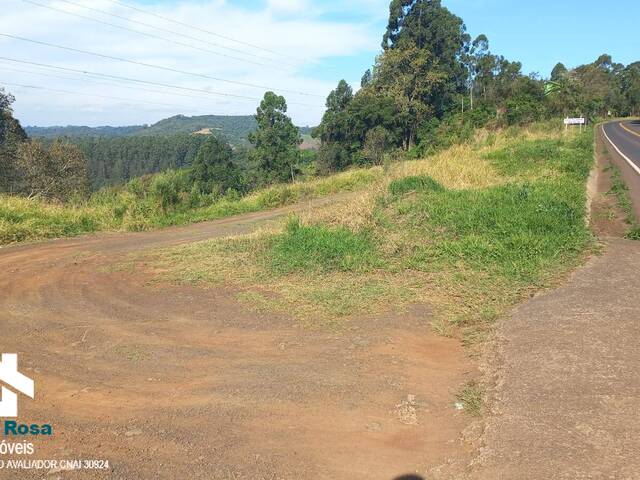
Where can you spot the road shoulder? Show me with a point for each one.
(565, 367)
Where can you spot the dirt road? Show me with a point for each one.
(177, 382)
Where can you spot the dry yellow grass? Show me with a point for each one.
(457, 295)
(459, 167)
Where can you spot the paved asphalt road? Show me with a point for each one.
(622, 142)
(626, 138)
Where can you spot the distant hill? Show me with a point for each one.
(234, 128)
(74, 131)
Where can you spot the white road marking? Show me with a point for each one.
(633, 165)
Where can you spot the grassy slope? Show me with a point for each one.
(469, 231)
(23, 219)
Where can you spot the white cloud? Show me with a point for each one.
(307, 40)
(288, 6)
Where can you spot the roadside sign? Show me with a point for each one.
(575, 121)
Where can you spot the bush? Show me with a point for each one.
(376, 144)
(333, 157)
(165, 190)
(56, 172)
(523, 109)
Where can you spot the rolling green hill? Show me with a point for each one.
(82, 131)
(234, 128)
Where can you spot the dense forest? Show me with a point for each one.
(81, 131)
(118, 154)
(430, 87)
(113, 160)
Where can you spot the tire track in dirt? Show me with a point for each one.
(179, 382)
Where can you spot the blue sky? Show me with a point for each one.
(320, 41)
(539, 33)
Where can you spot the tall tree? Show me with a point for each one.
(366, 78)
(559, 72)
(339, 99)
(276, 141)
(334, 125)
(422, 62)
(11, 136)
(479, 63)
(408, 76)
(631, 88)
(213, 169)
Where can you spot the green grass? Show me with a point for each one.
(496, 244)
(418, 183)
(511, 230)
(316, 248)
(471, 397)
(27, 219)
(138, 206)
(621, 191)
(469, 252)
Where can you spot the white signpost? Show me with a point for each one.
(575, 121)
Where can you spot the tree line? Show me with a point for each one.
(67, 168)
(114, 160)
(430, 87)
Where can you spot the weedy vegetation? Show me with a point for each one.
(470, 231)
(621, 191)
(471, 397)
(158, 201)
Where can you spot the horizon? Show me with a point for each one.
(148, 124)
(316, 45)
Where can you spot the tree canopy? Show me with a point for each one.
(11, 135)
(275, 141)
(213, 170)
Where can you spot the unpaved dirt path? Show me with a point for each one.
(184, 383)
(566, 403)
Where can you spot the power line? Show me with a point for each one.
(109, 97)
(127, 79)
(171, 20)
(157, 67)
(138, 32)
(144, 82)
(106, 82)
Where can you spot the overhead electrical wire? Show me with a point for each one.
(143, 82)
(199, 29)
(139, 32)
(154, 66)
(108, 97)
(127, 79)
(108, 82)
